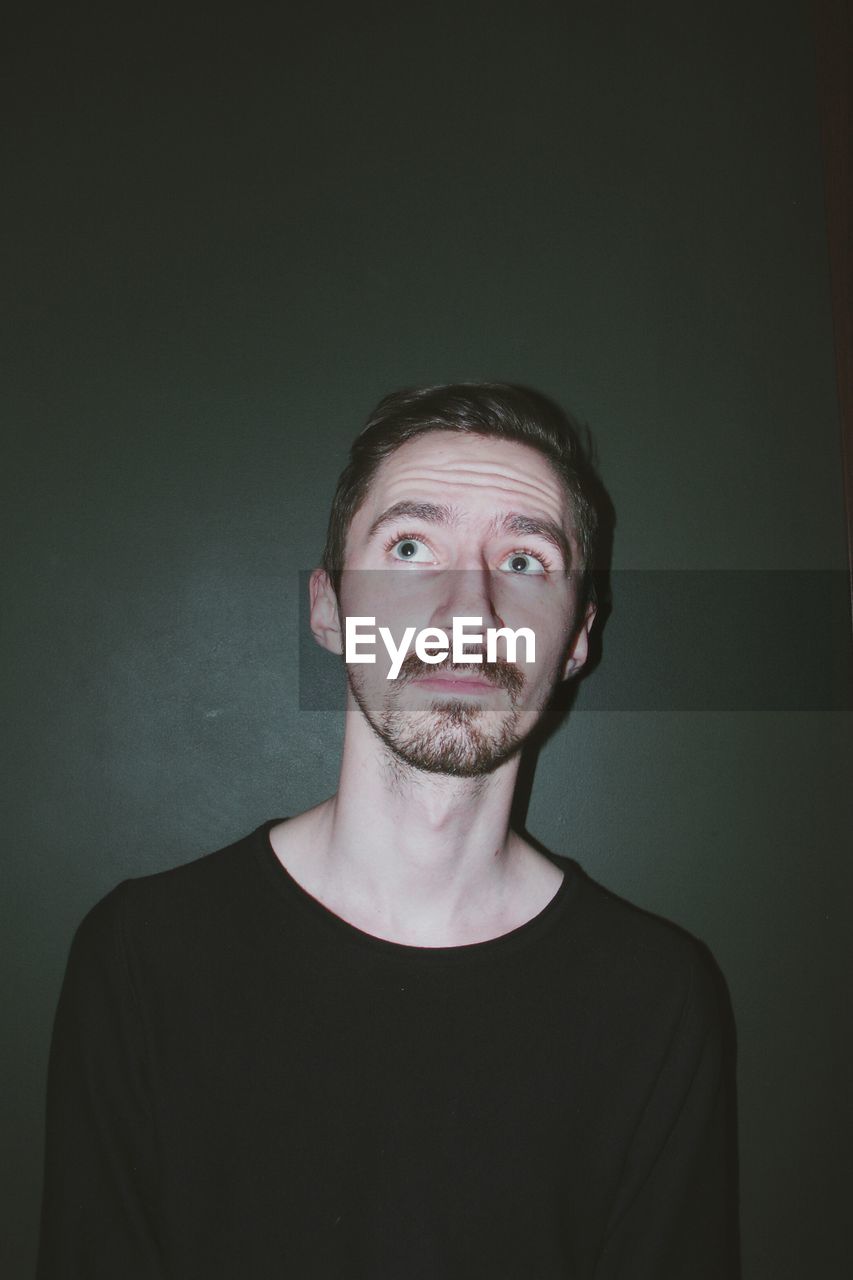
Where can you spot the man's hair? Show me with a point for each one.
(495, 409)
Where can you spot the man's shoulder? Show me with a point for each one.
(628, 928)
(642, 955)
(195, 896)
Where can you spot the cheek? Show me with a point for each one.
(396, 599)
(551, 646)
(364, 593)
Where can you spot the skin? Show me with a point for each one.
(415, 846)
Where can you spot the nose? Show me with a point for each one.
(467, 593)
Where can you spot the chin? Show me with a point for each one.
(451, 739)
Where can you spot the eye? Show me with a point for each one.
(410, 549)
(524, 564)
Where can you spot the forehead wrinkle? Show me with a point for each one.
(416, 479)
(481, 473)
(509, 488)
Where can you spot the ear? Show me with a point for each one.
(325, 617)
(578, 650)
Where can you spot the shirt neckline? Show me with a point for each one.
(521, 936)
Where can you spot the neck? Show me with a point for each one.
(424, 850)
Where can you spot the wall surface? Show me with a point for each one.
(230, 233)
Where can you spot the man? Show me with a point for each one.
(388, 1038)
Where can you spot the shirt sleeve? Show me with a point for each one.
(98, 1207)
(675, 1215)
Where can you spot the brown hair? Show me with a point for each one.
(479, 408)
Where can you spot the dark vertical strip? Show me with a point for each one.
(834, 40)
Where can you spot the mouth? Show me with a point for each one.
(454, 684)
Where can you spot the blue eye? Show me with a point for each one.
(522, 564)
(411, 549)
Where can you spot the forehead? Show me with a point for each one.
(479, 475)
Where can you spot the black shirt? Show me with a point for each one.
(244, 1086)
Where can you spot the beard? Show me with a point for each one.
(451, 735)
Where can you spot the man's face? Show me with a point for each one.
(459, 526)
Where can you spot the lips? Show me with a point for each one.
(467, 678)
(460, 684)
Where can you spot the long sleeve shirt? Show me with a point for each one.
(244, 1086)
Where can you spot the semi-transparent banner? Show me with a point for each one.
(664, 640)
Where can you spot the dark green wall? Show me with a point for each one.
(230, 234)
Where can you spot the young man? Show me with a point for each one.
(388, 1039)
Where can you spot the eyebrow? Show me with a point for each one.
(429, 512)
(512, 522)
(533, 527)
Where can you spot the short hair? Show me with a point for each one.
(491, 409)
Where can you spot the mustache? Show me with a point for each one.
(505, 675)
